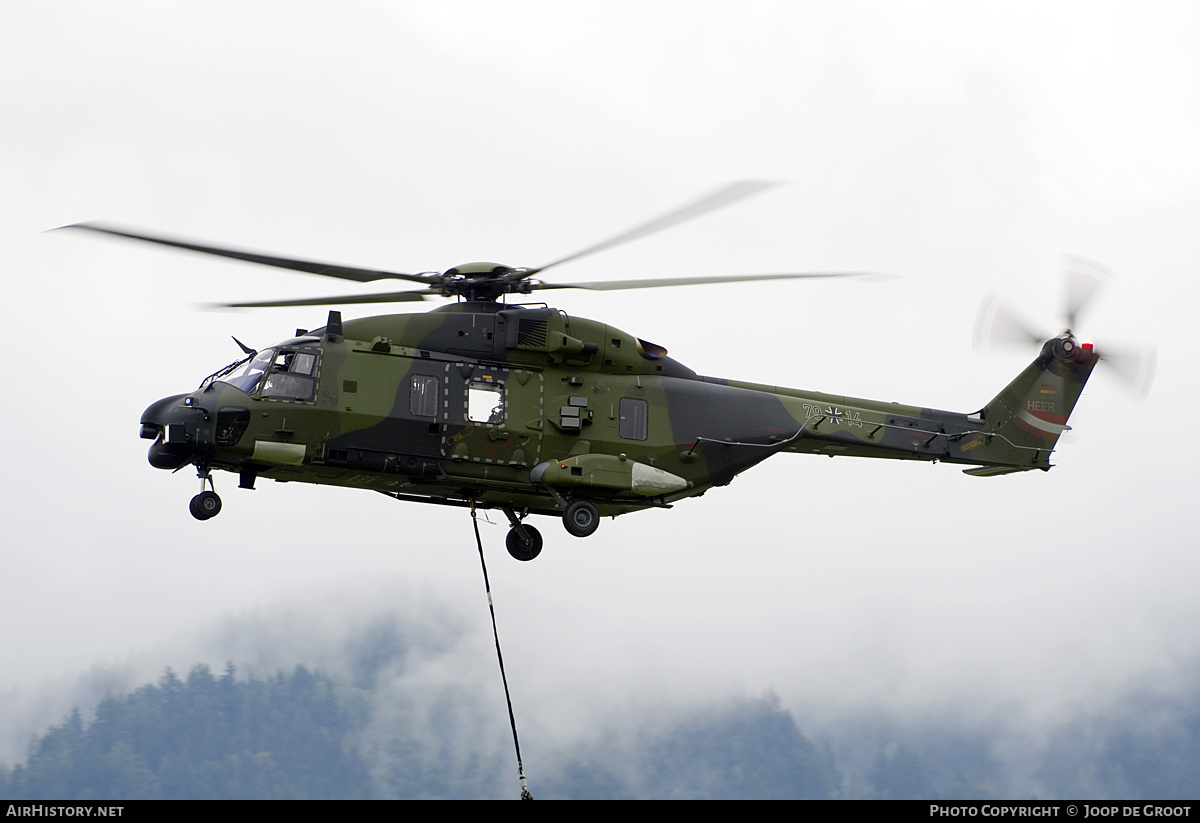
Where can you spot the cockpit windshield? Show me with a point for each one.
(284, 374)
(248, 375)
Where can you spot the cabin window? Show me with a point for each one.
(485, 403)
(423, 398)
(635, 418)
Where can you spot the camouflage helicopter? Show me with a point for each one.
(524, 409)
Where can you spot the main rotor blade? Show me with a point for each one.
(722, 197)
(311, 266)
(654, 283)
(350, 299)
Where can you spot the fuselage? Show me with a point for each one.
(525, 408)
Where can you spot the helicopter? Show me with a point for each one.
(488, 404)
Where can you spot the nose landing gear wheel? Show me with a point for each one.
(525, 548)
(205, 505)
(581, 518)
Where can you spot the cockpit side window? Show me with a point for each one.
(303, 363)
(292, 375)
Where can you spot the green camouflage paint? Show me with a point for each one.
(527, 409)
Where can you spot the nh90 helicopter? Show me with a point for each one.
(527, 410)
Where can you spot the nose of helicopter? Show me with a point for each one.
(176, 424)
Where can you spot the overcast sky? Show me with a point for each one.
(961, 146)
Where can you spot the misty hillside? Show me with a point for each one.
(395, 710)
(204, 737)
(304, 736)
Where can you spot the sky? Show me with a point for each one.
(962, 147)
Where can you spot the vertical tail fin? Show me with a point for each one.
(1024, 421)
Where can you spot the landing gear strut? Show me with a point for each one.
(206, 504)
(523, 542)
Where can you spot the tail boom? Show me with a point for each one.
(1016, 431)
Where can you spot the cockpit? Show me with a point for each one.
(282, 373)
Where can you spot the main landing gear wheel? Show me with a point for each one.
(524, 548)
(581, 518)
(205, 505)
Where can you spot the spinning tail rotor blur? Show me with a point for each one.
(998, 325)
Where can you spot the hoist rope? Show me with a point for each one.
(512, 720)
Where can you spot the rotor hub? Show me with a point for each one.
(1068, 349)
(482, 281)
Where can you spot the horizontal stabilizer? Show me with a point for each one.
(992, 471)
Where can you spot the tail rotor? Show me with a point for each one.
(997, 325)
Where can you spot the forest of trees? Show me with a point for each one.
(306, 735)
(203, 737)
(300, 735)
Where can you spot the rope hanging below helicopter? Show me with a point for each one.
(512, 720)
